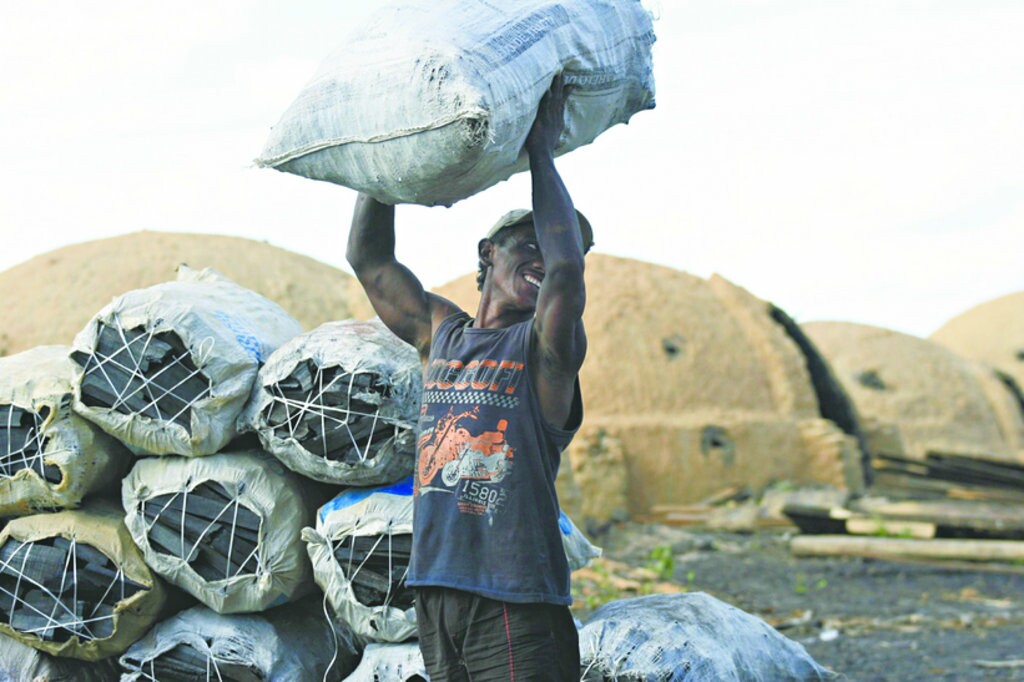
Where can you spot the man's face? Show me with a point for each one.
(518, 267)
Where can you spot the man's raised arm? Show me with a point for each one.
(396, 294)
(560, 341)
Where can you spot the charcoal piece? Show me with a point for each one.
(214, 534)
(376, 568)
(140, 373)
(22, 444)
(56, 589)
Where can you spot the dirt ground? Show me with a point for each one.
(866, 619)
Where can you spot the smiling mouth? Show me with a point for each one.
(532, 280)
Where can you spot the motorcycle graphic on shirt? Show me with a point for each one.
(450, 448)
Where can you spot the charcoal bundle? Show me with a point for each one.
(21, 662)
(688, 636)
(391, 662)
(168, 369)
(50, 458)
(73, 584)
(225, 528)
(290, 642)
(360, 552)
(339, 404)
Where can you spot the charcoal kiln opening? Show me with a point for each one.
(57, 588)
(208, 528)
(331, 412)
(22, 443)
(135, 371)
(377, 565)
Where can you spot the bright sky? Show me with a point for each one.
(859, 161)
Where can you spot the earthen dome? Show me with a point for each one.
(50, 297)
(690, 385)
(916, 397)
(992, 333)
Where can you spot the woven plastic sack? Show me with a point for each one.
(290, 642)
(226, 331)
(382, 512)
(578, 549)
(342, 356)
(690, 636)
(390, 663)
(20, 662)
(431, 100)
(256, 483)
(36, 386)
(99, 527)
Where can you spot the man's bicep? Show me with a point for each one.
(400, 301)
(559, 324)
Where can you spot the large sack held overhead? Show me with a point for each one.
(390, 663)
(290, 642)
(689, 636)
(21, 662)
(360, 553)
(339, 404)
(168, 369)
(225, 528)
(74, 584)
(50, 458)
(430, 102)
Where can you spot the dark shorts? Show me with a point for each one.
(464, 637)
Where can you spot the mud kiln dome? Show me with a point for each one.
(49, 298)
(916, 397)
(691, 385)
(992, 333)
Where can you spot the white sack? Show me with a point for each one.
(290, 642)
(361, 512)
(228, 331)
(20, 662)
(39, 381)
(430, 101)
(690, 636)
(283, 501)
(355, 348)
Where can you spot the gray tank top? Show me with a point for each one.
(485, 507)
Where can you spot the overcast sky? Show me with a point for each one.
(859, 161)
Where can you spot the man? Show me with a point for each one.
(501, 400)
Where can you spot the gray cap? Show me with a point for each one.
(522, 216)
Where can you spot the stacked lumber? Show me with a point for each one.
(22, 442)
(135, 371)
(949, 475)
(327, 411)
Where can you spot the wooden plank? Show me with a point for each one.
(890, 527)
(898, 548)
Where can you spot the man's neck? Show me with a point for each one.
(491, 314)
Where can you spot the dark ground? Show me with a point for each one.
(867, 619)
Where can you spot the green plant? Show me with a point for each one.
(662, 562)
